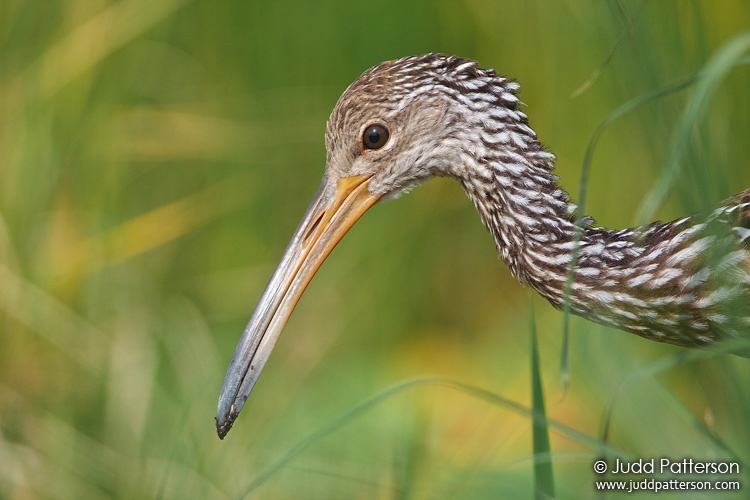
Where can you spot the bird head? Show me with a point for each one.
(400, 123)
(387, 131)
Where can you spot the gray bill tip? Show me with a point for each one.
(223, 426)
(224, 422)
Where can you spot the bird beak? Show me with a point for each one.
(337, 205)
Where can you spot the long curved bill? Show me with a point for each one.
(333, 211)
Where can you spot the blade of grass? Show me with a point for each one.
(488, 396)
(665, 364)
(544, 481)
(583, 190)
(51, 319)
(628, 29)
(731, 54)
(713, 73)
(97, 38)
(703, 429)
(146, 232)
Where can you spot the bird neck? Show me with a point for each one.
(528, 214)
(648, 280)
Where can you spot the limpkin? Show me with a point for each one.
(685, 282)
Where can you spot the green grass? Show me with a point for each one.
(156, 156)
(544, 479)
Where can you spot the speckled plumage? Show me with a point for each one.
(685, 282)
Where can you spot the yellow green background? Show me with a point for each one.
(155, 157)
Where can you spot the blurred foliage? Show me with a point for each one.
(155, 155)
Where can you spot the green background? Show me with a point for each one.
(155, 157)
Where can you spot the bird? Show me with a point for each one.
(402, 122)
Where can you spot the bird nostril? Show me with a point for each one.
(315, 225)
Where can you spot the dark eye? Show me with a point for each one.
(375, 137)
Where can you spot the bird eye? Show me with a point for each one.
(375, 137)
